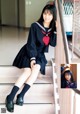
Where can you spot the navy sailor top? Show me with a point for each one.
(39, 39)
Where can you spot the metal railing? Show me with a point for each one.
(61, 55)
(62, 43)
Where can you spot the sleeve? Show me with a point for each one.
(31, 43)
(74, 85)
(53, 39)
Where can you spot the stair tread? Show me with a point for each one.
(42, 93)
(14, 71)
(48, 64)
(32, 108)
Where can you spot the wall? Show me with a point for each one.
(9, 12)
(22, 13)
(78, 87)
(0, 11)
(27, 11)
(33, 9)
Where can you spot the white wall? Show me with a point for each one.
(22, 13)
(78, 86)
(33, 9)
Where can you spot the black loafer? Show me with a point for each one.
(19, 101)
(9, 105)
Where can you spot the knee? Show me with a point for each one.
(37, 66)
(27, 70)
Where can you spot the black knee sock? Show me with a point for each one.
(11, 96)
(24, 90)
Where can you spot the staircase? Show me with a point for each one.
(38, 100)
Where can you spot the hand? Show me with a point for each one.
(33, 62)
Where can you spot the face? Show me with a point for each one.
(67, 76)
(47, 16)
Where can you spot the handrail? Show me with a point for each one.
(76, 91)
(55, 90)
(61, 52)
(64, 38)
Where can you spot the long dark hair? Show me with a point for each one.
(52, 9)
(69, 73)
(63, 80)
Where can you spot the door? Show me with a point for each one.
(21, 13)
(9, 12)
(74, 71)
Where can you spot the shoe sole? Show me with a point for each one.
(20, 104)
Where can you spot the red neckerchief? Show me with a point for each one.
(46, 38)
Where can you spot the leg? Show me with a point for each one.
(34, 74)
(28, 83)
(9, 100)
(25, 75)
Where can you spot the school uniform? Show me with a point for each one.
(71, 84)
(67, 84)
(38, 43)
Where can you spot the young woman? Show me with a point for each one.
(31, 57)
(67, 80)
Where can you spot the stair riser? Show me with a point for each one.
(32, 109)
(33, 99)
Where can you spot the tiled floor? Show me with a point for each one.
(11, 40)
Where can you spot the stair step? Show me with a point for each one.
(43, 93)
(14, 71)
(39, 99)
(12, 79)
(31, 108)
(34, 99)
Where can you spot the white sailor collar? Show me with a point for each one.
(43, 28)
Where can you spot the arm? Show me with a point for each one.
(53, 39)
(31, 43)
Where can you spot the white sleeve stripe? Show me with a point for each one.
(55, 32)
(32, 58)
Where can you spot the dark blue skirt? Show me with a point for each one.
(22, 60)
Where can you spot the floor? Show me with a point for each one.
(11, 40)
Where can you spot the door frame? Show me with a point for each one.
(18, 21)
